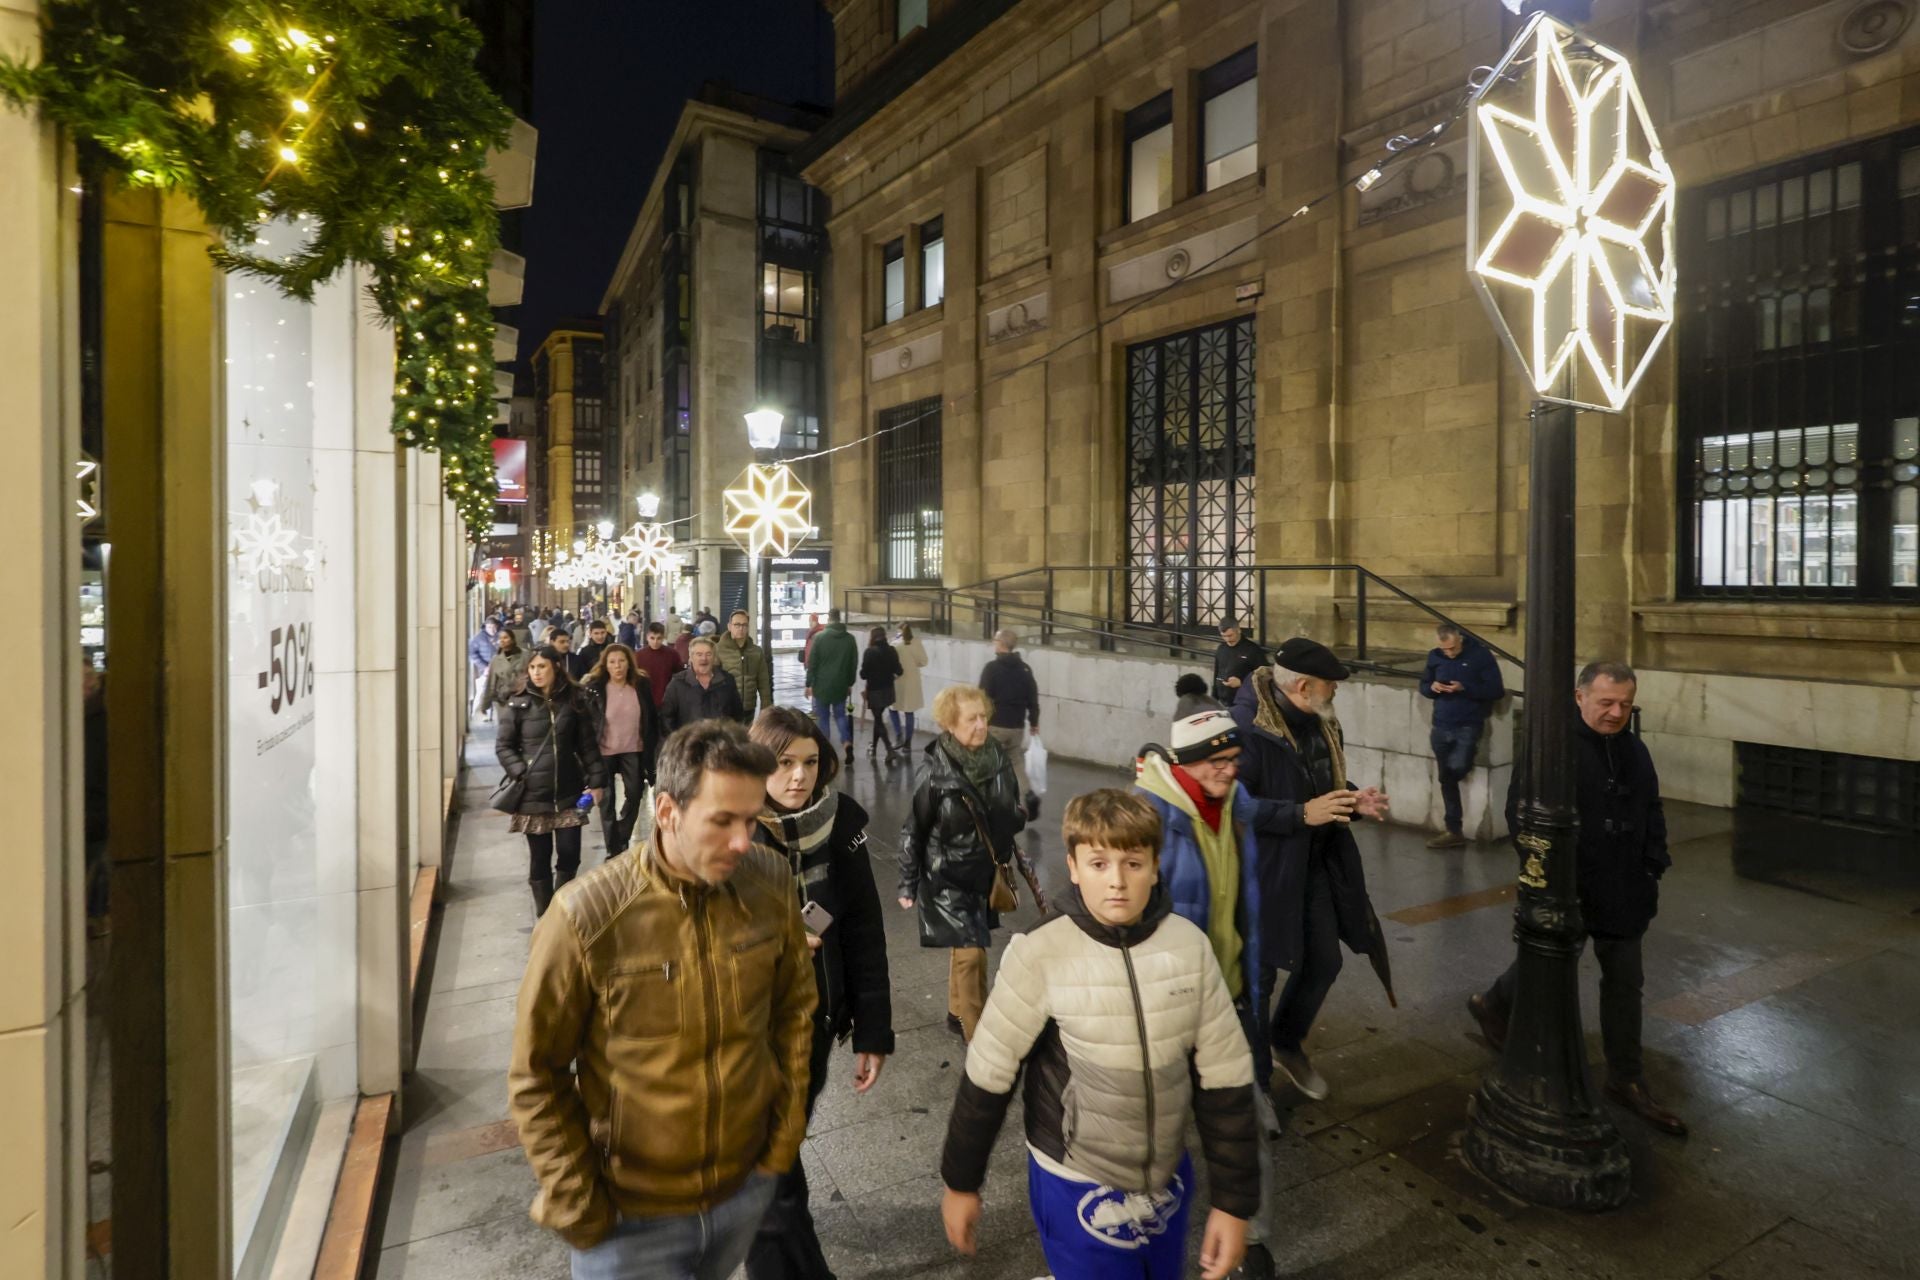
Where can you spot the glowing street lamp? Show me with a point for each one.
(649, 505)
(763, 428)
(1570, 246)
(604, 529)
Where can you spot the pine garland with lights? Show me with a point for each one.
(365, 121)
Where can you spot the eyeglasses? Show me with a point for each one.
(1222, 764)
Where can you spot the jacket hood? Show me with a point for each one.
(1159, 907)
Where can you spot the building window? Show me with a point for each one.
(790, 382)
(933, 262)
(908, 16)
(1149, 158)
(1190, 494)
(786, 303)
(893, 281)
(908, 515)
(1229, 124)
(1798, 380)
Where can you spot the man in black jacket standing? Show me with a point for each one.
(702, 692)
(1622, 853)
(1237, 658)
(1008, 682)
(1463, 682)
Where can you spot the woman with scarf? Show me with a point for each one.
(821, 833)
(549, 741)
(966, 812)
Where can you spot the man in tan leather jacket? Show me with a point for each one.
(659, 1073)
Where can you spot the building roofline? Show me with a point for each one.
(696, 117)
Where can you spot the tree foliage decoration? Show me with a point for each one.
(368, 117)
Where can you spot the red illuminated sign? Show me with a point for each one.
(510, 469)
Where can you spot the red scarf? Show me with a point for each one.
(1208, 807)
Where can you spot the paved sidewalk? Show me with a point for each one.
(1780, 1023)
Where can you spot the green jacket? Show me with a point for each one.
(747, 664)
(834, 664)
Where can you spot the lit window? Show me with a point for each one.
(1229, 111)
(893, 282)
(1149, 139)
(786, 303)
(908, 16)
(933, 262)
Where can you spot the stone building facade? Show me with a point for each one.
(712, 312)
(1335, 387)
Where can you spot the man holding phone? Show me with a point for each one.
(1463, 682)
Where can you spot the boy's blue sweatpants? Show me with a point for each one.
(1091, 1232)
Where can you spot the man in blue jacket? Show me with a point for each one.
(1463, 682)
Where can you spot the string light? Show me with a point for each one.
(299, 38)
(240, 45)
(289, 155)
(300, 106)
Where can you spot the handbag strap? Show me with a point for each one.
(970, 796)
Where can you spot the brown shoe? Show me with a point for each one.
(1492, 1025)
(1635, 1098)
(1449, 840)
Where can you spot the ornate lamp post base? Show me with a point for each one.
(1546, 1157)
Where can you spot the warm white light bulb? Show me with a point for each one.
(300, 106)
(240, 44)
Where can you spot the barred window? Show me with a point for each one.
(1798, 395)
(909, 517)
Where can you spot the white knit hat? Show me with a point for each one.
(1203, 734)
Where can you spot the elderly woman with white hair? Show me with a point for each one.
(966, 812)
(1313, 890)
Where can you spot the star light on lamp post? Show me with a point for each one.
(1577, 272)
(646, 548)
(768, 511)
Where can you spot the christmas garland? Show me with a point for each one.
(365, 121)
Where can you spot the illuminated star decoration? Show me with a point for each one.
(1579, 270)
(647, 548)
(768, 510)
(87, 505)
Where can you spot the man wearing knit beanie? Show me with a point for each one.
(1207, 864)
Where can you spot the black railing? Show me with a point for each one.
(1029, 601)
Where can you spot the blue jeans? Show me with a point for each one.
(1091, 1232)
(827, 712)
(901, 740)
(699, 1246)
(1453, 751)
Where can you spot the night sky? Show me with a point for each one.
(610, 78)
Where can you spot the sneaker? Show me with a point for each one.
(1448, 840)
(1300, 1071)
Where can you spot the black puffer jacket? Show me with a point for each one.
(1122, 1034)
(945, 865)
(554, 743)
(851, 964)
(1623, 830)
(880, 668)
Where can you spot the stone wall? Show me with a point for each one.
(1101, 708)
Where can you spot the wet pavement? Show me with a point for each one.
(1780, 1024)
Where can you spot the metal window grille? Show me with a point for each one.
(908, 516)
(1798, 394)
(1831, 786)
(1190, 495)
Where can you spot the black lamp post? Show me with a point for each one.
(1577, 275)
(763, 434)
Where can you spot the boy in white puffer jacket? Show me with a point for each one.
(1118, 1012)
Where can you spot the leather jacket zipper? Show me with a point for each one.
(1146, 1066)
(703, 930)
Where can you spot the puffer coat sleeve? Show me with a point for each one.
(1223, 1108)
(508, 746)
(1015, 1015)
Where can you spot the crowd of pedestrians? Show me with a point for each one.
(682, 1004)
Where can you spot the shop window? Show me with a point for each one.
(909, 516)
(1149, 158)
(893, 282)
(1798, 380)
(908, 16)
(933, 262)
(786, 303)
(1229, 119)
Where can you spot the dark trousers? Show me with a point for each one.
(1320, 960)
(1453, 753)
(616, 821)
(540, 856)
(788, 1247)
(1621, 978)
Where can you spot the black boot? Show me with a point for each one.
(880, 739)
(542, 895)
(849, 753)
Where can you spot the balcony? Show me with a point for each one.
(506, 343)
(512, 169)
(502, 413)
(506, 279)
(502, 384)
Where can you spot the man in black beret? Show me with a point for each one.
(1313, 893)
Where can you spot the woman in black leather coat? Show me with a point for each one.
(550, 739)
(966, 811)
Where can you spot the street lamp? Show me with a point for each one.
(1570, 247)
(763, 428)
(604, 529)
(768, 510)
(649, 504)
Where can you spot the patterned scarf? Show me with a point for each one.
(1269, 717)
(978, 764)
(798, 836)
